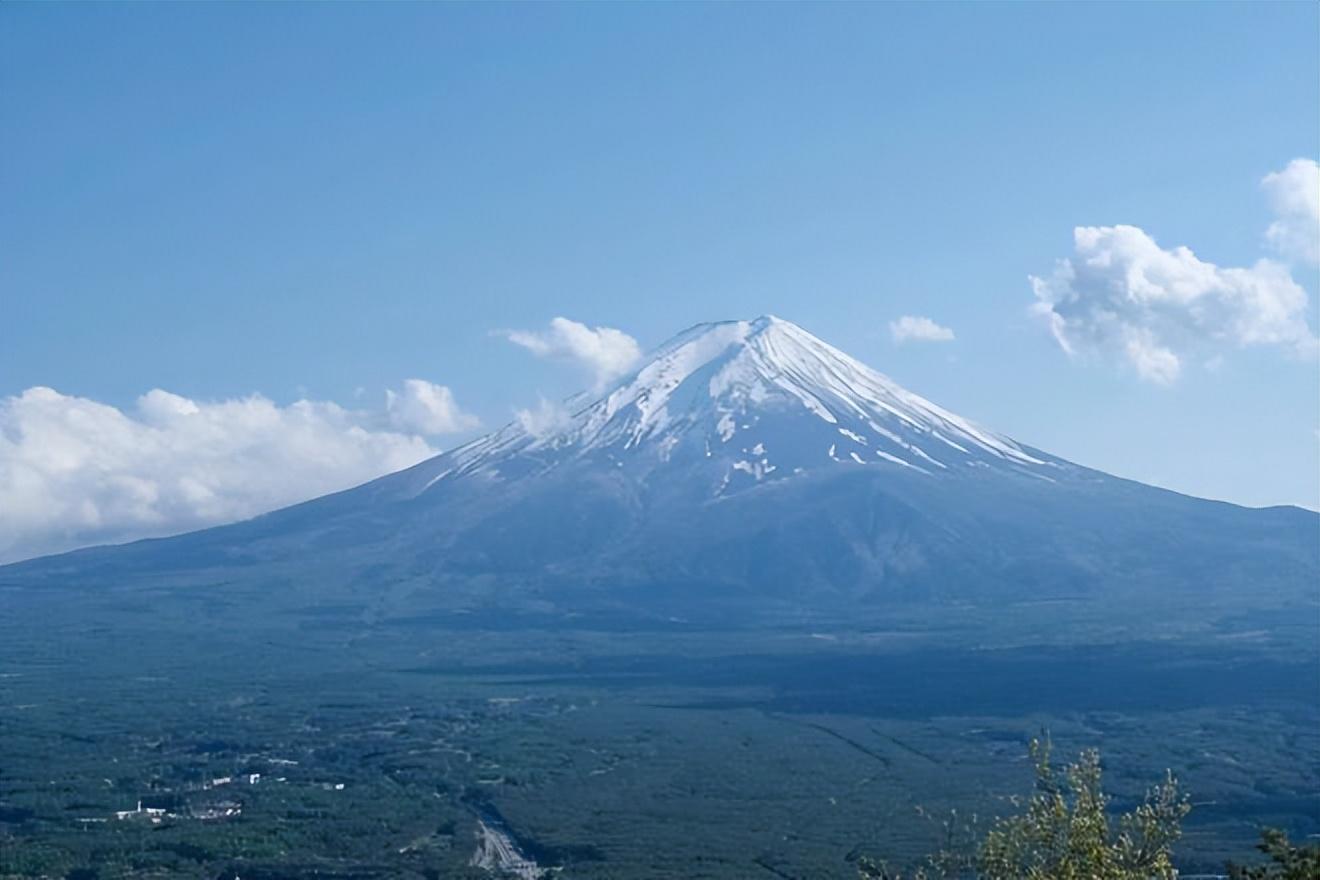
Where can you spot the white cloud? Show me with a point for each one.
(546, 419)
(606, 352)
(1294, 194)
(1122, 293)
(919, 329)
(74, 471)
(425, 408)
(1152, 361)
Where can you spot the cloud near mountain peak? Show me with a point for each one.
(605, 352)
(916, 328)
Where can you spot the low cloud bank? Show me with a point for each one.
(74, 471)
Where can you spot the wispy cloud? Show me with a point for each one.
(74, 471)
(605, 352)
(545, 419)
(915, 328)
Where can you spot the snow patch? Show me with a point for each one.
(896, 460)
(757, 469)
(437, 478)
(918, 450)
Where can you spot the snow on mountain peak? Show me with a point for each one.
(760, 399)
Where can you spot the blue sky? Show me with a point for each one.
(322, 201)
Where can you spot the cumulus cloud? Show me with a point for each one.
(606, 352)
(1121, 293)
(426, 408)
(74, 471)
(1294, 194)
(918, 329)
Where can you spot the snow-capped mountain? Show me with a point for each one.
(745, 468)
(759, 400)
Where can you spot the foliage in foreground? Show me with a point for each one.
(1287, 862)
(1064, 833)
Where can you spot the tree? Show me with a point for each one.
(1065, 833)
(1287, 862)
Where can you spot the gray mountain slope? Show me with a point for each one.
(744, 466)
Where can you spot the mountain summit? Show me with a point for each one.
(751, 401)
(745, 469)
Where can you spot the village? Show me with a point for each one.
(190, 802)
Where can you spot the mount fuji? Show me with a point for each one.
(745, 467)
